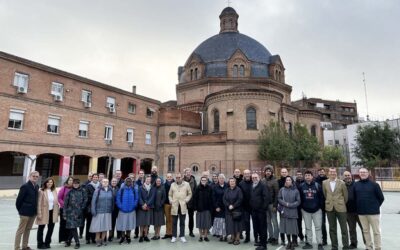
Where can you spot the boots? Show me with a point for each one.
(122, 239)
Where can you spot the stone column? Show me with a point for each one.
(29, 166)
(93, 164)
(116, 165)
(65, 162)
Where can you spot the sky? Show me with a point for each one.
(325, 46)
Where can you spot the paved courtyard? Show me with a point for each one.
(9, 222)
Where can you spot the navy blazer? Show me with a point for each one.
(27, 200)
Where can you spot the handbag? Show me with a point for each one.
(236, 215)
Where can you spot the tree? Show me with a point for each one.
(275, 144)
(306, 146)
(332, 156)
(376, 145)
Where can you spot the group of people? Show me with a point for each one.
(221, 207)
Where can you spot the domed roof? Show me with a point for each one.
(228, 10)
(220, 48)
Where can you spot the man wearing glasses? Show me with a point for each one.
(26, 204)
(369, 198)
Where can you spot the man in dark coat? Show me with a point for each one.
(154, 175)
(26, 204)
(352, 216)
(167, 207)
(369, 198)
(246, 185)
(189, 178)
(259, 200)
(272, 215)
(299, 181)
(238, 176)
(319, 179)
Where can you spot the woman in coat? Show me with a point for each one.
(127, 200)
(158, 211)
(203, 205)
(62, 194)
(101, 209)
(219, 228)
(115, 211)
(74, 204)
(289, 200)
(233, 199)
(146, 205)
(47, 212)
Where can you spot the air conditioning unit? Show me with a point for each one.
(130, 143)
(21, 90)
(112, 109)
(87, 104)
(108, 141)
(57, 98)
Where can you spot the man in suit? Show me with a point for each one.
(336, 196)
(26, 203)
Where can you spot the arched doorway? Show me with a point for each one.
(79, 165)
(12, 169)
(105, 165)
(146, 165)
(48, 165)
(128, 165)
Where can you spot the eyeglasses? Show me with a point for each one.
(35, 176)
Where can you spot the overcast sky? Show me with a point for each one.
(325, 45)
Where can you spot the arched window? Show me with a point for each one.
(216, 121)
(235, 71)
(314, 130)
(241, 70)
(171, 163)
(196, 74)
(276, 74)
(191, 74)
(290, 130)
(251, 118)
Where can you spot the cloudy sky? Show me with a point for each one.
(325, 45)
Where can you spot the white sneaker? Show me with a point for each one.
(183, 239)
(173, 240)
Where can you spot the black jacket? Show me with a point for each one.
(246, 187)
(167, 186)
(238, 179)
(218, 202)
(368, 196)
(312, 198)
(201, 199)
(27, 200)
(260, 197)
(351, 205)
(281, 182)
(273, 188)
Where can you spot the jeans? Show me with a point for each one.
(309, 218)
(182, 218)
(272, 223)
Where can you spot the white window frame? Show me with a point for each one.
(16, 115)
(148, 138)
(110, 102)
(53, 119)
(57, 88)
(134, 108)
(108, 132)
(130, 135)
(82, 126)
(86, 96)
(21, 80)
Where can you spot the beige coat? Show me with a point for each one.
(336, 199)
(179, 195)
(42, 217)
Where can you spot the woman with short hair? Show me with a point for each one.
(127, 199)
(219, 226)
(62, 194)
(158, 210)
(145, 211)
(47, 212)
(203, 205)
(233, 199)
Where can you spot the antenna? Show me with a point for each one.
(366, 98)
(229, 3)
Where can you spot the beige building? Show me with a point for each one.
(59, 123)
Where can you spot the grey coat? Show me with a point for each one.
(289, 198)
(160, 198)
(102, 201)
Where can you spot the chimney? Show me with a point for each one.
(134, 89)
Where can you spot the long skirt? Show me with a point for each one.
(158, 218)
(219, 227)
(233, 226)
(144, 218)
(288, 226)
(101, 223)
(203, 220)
(126, 221)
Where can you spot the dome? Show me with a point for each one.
(220, 48)
(228, 10)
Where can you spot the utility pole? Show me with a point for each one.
(366, 98)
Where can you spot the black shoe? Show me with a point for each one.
(88, 242)
(128, 240)
(241, 236)
(274, 242)
(257, 244)
(77, 246)
(295, 244)
(191, 234)
(41, 246)
(201, 239)
(289, 246)
(320, 247)
(136, 236)
(67, 244)
(221, 238)
(324, 243)
(307, 246)
(121, 240)
(146, 239)
(141, 239)
(247, 240)
(353, 246)
(261, 248)
(206, 239)
(47, 245)
(110, 238)
(347, 248)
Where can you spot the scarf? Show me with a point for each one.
(147, 186)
